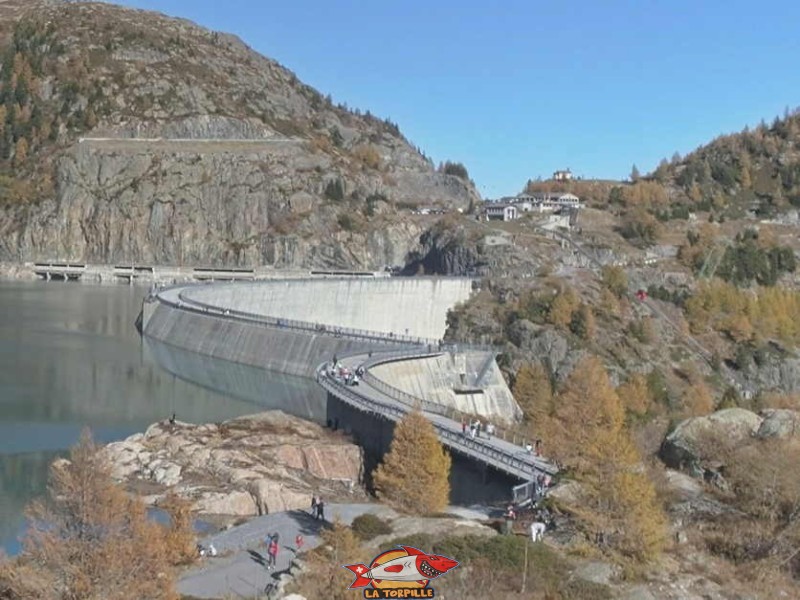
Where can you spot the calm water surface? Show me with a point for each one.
(70, 357)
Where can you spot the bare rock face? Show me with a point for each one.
(779, 423)
(180, 145)
(260, 464)
(680, 448)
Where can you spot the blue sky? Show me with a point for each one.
(517, 89)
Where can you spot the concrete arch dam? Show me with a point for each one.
(292, 326)
(297, 326)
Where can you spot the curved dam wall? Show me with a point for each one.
(284, 350)
(390, 305)
(259, 388)
(409, 306)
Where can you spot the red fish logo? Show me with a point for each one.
(403, 573)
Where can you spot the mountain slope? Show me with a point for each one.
(236, 161)
(756, 169)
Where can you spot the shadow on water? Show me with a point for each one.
(263, 389)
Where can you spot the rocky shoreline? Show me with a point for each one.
(16, 272)
(254, 465)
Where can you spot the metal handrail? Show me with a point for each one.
(506, 433)
(307, 325)
(455, 438)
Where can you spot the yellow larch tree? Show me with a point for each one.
(533, 391)
(697, 400)
(414, 474)
(89, 539)
(594, 444)
(325, 577)
(562, 308)
(635, 395)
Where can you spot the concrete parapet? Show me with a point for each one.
(406, 306)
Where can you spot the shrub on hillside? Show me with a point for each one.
(88, 538)
(367, 526)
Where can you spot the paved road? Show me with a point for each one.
(242, 571)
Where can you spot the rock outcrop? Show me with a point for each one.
(260, 464)
(550, 347)
(172, 144)
(682, 447)
(779, 423)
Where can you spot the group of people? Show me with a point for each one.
(542, 521)
(318, 508)
(536, 448)
(540, 485)
(342, 374)
(475, 428)
(272, 544)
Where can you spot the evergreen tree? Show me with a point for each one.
(615, 279)
(590, 420)
(563, 307)
(20, 152)
(583, 323)
(414, 473)
(635, 175)
(593, 441)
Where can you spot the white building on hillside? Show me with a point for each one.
(502, 211)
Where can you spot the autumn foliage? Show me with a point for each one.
(88, 539)
(584, 428)
(533, 391)
(325, 577)
(772, 312)
(414, 473)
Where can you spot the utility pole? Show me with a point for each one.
(525, 570)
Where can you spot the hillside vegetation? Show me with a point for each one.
(327, 186)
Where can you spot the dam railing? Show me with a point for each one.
(507, 433)
(483, 449)
(187, 303)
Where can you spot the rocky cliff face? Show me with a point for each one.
(215, 154)
(261, 464)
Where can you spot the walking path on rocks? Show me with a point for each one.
(240, 568)
(240, 571)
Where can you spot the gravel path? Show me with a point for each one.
(242, 571)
